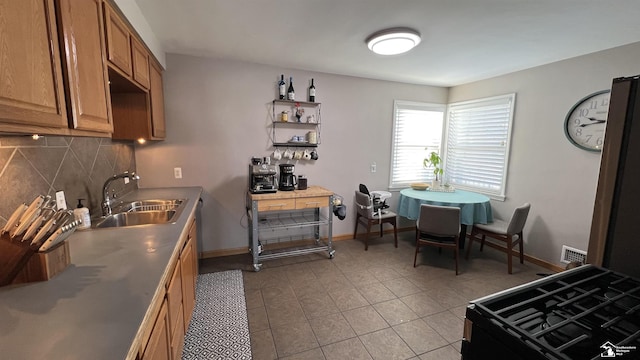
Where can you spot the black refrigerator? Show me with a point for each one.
(614, 241)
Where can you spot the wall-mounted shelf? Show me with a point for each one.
(283, 131)
(294, 144)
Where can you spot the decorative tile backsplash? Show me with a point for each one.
(77, 165)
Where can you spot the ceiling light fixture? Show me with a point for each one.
(393, 41)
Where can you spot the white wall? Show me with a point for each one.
(545, 169)
(218, 117)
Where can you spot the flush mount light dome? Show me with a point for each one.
(393, 41)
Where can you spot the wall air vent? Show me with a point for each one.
(570, 254)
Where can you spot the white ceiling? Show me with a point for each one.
(462, 40)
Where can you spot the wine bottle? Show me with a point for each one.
(312, 92)
(281, 87)
(291, 94)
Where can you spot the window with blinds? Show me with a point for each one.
(477, 144)
(417, 130)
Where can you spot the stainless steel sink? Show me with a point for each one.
(149, 205)
(142, 212)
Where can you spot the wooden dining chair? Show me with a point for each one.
(366, 216)
(509, 232)
(438, 226)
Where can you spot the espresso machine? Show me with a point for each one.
(262, 177)
(287, 178)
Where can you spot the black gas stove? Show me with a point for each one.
(584, 313)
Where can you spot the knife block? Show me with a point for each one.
(44, 265)
(20, 262)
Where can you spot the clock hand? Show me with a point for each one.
(594, 119)
(593, 123)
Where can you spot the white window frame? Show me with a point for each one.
(422, 175)
(499, 194)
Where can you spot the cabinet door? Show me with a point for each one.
(188, 281)
(85, 64)
(156, 93)
(140, 58)
(174, 297)
(118, 40)
(31, 87)
(158, 347)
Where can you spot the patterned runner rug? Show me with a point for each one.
(219, 328)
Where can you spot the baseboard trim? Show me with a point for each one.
(529, 258)
(245, 250)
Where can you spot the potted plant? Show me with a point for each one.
(434, 161)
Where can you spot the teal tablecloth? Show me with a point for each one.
(474, 208)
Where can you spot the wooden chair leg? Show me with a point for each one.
(521, 245)
(366, 236)
(415, 256)
(509, 255)
(456, 255)
(381, 222)
(482, 242)
(395, 232)
(355, 230)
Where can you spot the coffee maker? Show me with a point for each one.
(287, 178)
(262, 177)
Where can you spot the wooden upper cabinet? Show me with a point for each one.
(85, 64)
(156, 93)
(118, 40)
(140, 58)
(31, 85)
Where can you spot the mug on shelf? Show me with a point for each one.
(277, 154)
(288, 154)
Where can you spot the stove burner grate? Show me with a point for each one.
(570, 314)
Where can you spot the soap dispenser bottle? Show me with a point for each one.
(82, 213)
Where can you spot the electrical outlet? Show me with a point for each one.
(373, 167)
(177, 172)
(61, 202)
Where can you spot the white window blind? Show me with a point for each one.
(477, 145)
(417, 130)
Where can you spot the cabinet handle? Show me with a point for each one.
(312, 203)
(277, 205)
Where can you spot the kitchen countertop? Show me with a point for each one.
(95, 307)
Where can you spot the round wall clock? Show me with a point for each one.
(585, 122)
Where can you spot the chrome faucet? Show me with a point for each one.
(106, 200)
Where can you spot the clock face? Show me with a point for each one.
(585, 122)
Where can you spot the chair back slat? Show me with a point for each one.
(519, 219)
(439, 220)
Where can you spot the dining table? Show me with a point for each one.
(475, 208)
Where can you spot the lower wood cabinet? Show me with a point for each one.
(158, 346)
(166, 339)
(189, 261)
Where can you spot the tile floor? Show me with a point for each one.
(367, 304)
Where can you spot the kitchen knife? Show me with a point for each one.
(35, 225)
(59, 236)
(59, 239)
(35, 204)
(47, 244)
(13, 219)
(24, 225)
(44, 231)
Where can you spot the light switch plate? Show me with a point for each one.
(177, 172)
